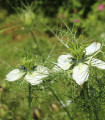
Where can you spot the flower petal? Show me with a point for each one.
(95, 46)
(64, 58)
(80, 73)
(63, 63)
(64, 66)
(36, 77)
(98, 63)
(15, 74)
(60, 66)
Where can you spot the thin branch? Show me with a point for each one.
(61, 103)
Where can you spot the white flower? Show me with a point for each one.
(34, 77)
(81, 70)
(37, 76)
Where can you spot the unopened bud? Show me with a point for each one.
(2, 86)
(28, 18)
(55, 107)
(36, 113)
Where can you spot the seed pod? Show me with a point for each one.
(36, 113)
(55, 107)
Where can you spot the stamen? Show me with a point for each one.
(21, 67)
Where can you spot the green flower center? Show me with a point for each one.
(27, 65)
(78, 53)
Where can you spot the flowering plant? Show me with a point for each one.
(79, 61)
(30, 72)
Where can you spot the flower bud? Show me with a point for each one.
(2, 86)
(100, 7)
(28, 18)
(36, 113)
(76, 20)
(55, 107)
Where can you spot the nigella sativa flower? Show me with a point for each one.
(33, 76)
(81, 69)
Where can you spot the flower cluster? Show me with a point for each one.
(79, 67)
(80, 71)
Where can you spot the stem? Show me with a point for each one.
(86, 91)
(30, 102)
(61, 104)
(91, 114)
(86, 95)
(96, 115)
(35, 41)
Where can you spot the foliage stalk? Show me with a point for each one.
(35, 41)
(86, 95)
(61, 104)
(30, 102)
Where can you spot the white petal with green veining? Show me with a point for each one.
(64, 66)
(64, 58)
(15, 74)
(91, 49)
(33, 78)
(63, 63)
(80, 73)
(98, 63)
(36, 77)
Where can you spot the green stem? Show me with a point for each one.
(86, 95)
(35, 41)
(86, 91)
(30, 102)
(96, 115)
(91, 114)
(61, 104)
